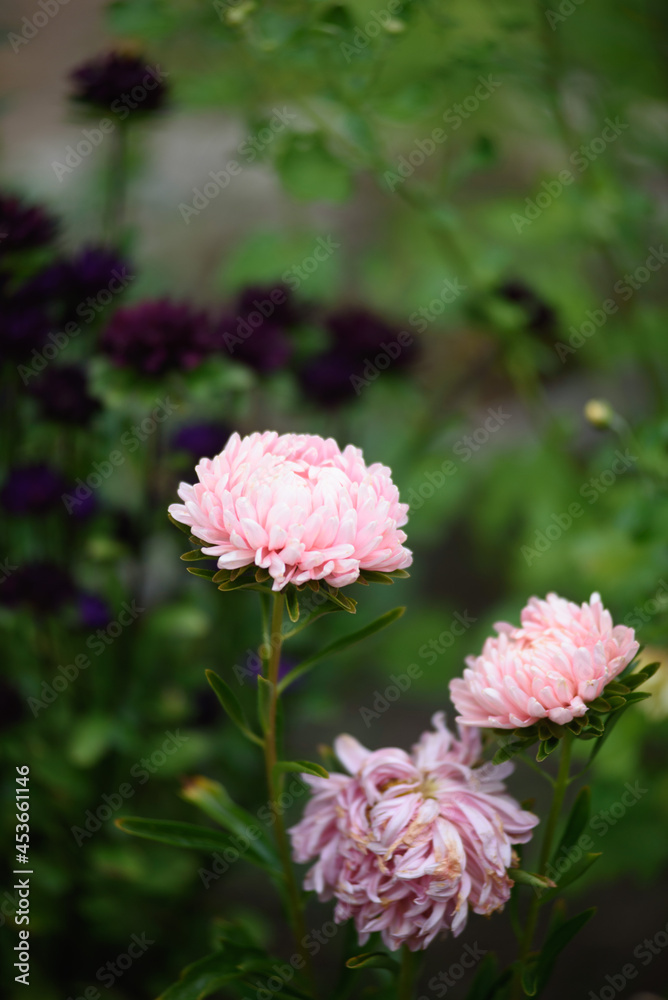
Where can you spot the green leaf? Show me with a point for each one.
(167, 831)
(292, 604)
(212, 798)
(342, 601)
(206, 574)
(546, 748)
(577, 820)
(231, 704)
(574, 872)
(301, 766)
(373, 960)
(204, 977)
(485, 979)
(530, 878)
(264, 695)
(185, 528)
(194, 555)
(555, 944)
(339, 645)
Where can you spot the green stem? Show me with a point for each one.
(114, 209)
(406, 985)
(560, 786)
(295, 903)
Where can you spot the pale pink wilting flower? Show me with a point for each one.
(297, 506)
(409, 842)
(560, 659)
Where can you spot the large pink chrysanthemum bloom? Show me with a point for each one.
(299, 507)
(560, 659)
(410, 842)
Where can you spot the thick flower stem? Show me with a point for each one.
(560, 787)
(406, 985)
(270, 758)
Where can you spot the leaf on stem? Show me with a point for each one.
(301, 766)
(577, 820)
(339, 645)
(232, 706)
(213, 799)
(530, 878)
(374, 960)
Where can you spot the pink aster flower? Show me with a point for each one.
(560, 659)
(407, 843)
(299, 507)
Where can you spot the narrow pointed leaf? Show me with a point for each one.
(530, 878)
(292, 604)
(574, 872)
(231, 704)
(556, 943)
(204, 977)
(301, 766)
(577, 820)
(212, 798)
(206, 574)
(167, 831)
(373, 960)
(339, 645)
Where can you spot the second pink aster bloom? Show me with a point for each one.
(558, 661)
(408, 843)
(297, 506)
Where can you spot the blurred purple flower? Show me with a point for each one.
(201, 439)
(361, 334)
(24, 227)
(119, 82)
(43, 586)
(32, 489)
(95, 273)
(264, 347)
(326, 378)
(63, 395)
(157, 337)
(94, 612)
(24, 326)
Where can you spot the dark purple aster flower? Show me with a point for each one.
(43, 586)
(31, 489)
(24, 227)
(119, 82)
(326, 377)
(94, 273)
(24, 326)
(154, 338)
(63, 395)
(541, 318)
(94, 612)
(201, 439)
(259, 343)
(361, 335)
